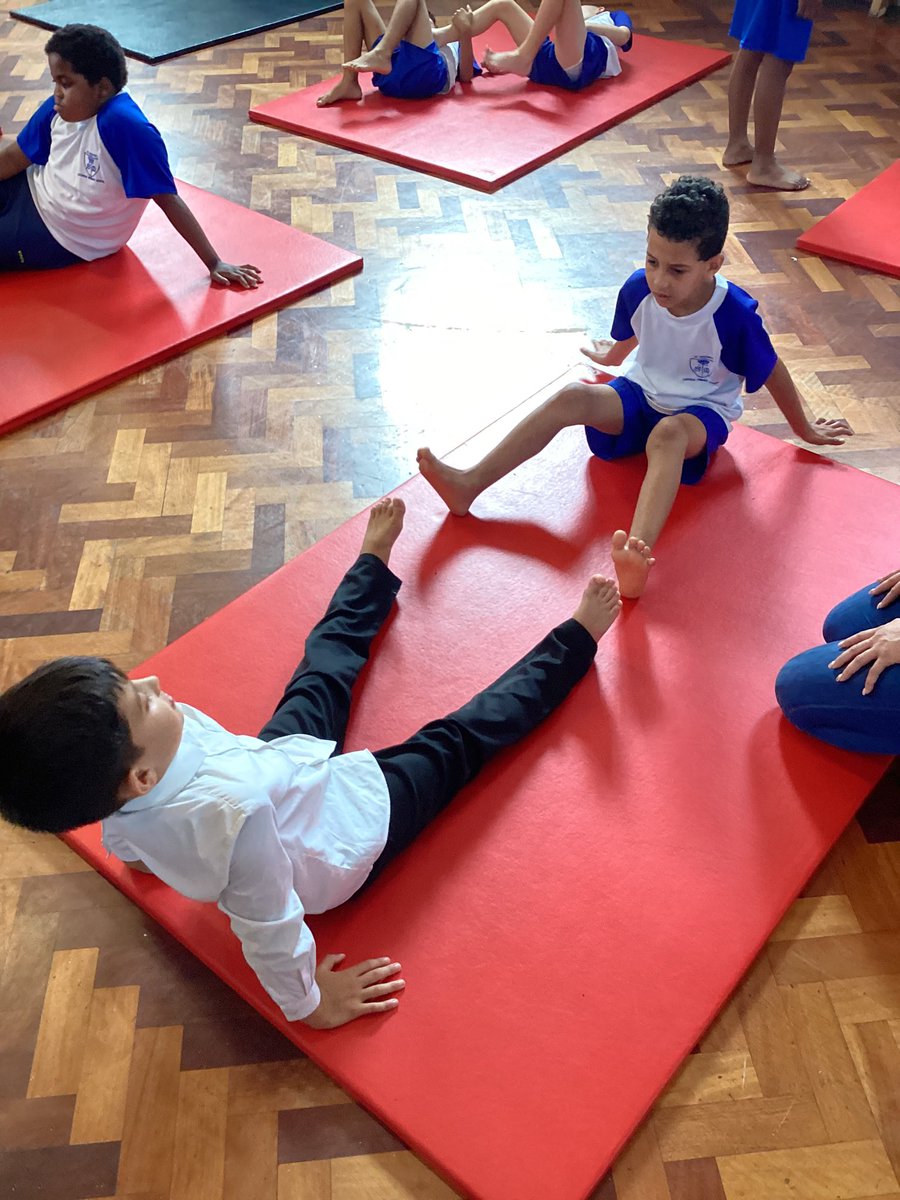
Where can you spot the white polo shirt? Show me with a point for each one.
(91, 180)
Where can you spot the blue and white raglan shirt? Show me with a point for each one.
(91, 180)
(703, 358)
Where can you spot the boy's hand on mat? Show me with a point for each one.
(827, 432)
(247, 275)
(360, 991)
(876, 649)
(891, 585)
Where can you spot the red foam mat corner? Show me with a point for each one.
(573, 922)
(862, 230)
(498, 128)
(70, 332)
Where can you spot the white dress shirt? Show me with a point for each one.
(269, 830)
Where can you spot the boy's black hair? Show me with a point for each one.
(64, 746)
(93, 52)
(692, 209)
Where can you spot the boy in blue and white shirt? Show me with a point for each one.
(687, 341)
(75, 183)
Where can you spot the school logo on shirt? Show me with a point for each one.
(91, 166)
(702, 365)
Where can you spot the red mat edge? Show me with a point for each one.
(479, 183)
(811, 246)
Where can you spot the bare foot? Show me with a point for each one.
(506, 62)
(599, 607)
(376, 60)
(346, 88)
(777, 176)
(632, 560)
(385, 523)
(451, 485)
(738, 152)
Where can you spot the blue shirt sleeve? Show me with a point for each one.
(746, 348)
(136, 147)
(34, 139)
(632, 292)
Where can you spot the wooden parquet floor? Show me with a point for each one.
(126, 1069)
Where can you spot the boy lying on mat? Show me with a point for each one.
(75, 183)
(275, 826)
(411, 59)
(584, 48)
(687, 341)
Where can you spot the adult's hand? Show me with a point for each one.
(876, 649)
(889, 584)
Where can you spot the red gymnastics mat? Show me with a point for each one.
(571, 925)
(498, 128)
(71, 332)
(862, 230)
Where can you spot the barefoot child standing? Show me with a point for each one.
(687, 341)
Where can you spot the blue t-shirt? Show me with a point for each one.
(704, 358)
(90, 180)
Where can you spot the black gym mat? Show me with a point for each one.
(153, 30)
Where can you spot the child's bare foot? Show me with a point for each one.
(738, 152)
(451, 485)
(385, 523)
(599, 607)
(506, 62)
(377, 60)
(346, 88)
(632, 560)
(776, 176)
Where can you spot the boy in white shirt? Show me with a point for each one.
(76, 181)
(687, 340)
(275, 826)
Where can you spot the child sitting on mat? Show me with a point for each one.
(687, 341)
(411, 59)
(581, 52)
(76, 181)
(284, 824)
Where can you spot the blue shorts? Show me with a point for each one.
(26, 243)
(771, 27)
(640, 419)
(417, 72)
(546, 70)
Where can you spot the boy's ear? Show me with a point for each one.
(105, 88)
(137, 782)
(715, 263)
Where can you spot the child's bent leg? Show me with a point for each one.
(576, 404)
(566, 17)
(670, 442)
(317, 699)
(768, 100)
(506, 12)
(408, 22)
(426, 772)
(740, 96)
(363, 26)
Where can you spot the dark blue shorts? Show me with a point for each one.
(546, 70)
(416, 73)
(771, 27)
(26, 243)
(640, 419)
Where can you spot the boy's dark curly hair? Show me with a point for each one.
(692, 209)
(93, 52)
(65, 748)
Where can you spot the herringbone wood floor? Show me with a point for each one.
(127, 1069)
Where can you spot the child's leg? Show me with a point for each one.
(563, 16)
(576, 404)
(363, 26)
(425, 773)
(317, 699)
(740, 96)
(670, 442)
(768, 100)
(409, 22)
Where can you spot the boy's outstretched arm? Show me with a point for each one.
(822, 432)
(13, 160)
(607, 353)
(359, 991)
(189, 227)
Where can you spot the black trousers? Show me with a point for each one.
(426, 771)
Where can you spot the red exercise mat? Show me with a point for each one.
(498, 128)
(70, 332)
(570, 926)
(864, 229)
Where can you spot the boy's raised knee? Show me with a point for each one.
(670, 434)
